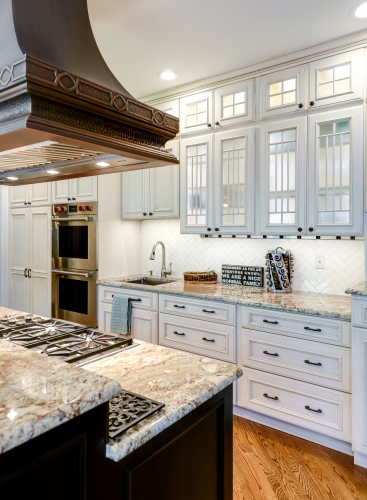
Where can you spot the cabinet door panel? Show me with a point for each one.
(282, 177)
(196, 176)
(359, 377)
(234, 104)
(18, 195)
(234, 182)
(164, 188)
(335, 173)
(170, 107)
(144, 325)
(196, 112)
(84, 189)
(18, 256)
(135, 194)
(39, 194)
(61, 191)
(283, 92)
(337, 79)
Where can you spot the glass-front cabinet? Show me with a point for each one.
(196, 113)
(335, 173)
(282, 177)
(234, 104)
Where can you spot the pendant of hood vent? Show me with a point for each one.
(61, 108)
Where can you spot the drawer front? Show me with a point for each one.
(321, 410)
(209, 339)
(217, 312)
(297, 325)
(313, 362)
(147, 300)
(359, 312)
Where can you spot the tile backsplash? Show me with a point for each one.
(344, 259)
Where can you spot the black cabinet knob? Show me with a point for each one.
(69, 199)
(29, 203)
(144, 213)
(300, 106)
(73, 199)
(312, 103)
(209, 229)
(310, 229)
(217, 123)
(209, 124)
(217, 228)
(25, 203)
(299, 229)
(150, 213)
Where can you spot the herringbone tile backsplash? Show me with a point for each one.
(344, 259)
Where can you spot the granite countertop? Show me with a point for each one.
(358, 289)
(315, 304)
(180, 380)
(38, 393)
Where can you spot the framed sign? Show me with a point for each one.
(243, 275)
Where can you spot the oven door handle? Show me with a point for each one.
(70, 219)
(68, 273)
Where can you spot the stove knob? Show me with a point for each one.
(57, 210)
(80, 208)
(86, 208)
(90, 208)
(63, 209)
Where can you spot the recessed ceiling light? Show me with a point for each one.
(360, 11)
(52, 172)
(12, 178)
(103, 164)
(167, 75)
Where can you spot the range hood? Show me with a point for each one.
(62, 111)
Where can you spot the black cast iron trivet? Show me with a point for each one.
(127, 409)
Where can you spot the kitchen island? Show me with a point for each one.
(53, 417)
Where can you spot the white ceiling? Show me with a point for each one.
(201, 38)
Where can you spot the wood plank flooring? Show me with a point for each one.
(272, 465)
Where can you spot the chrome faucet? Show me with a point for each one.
(164, 271)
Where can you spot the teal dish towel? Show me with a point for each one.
(121, 315)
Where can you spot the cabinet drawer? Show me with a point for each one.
(294, 402)
(297, 325)
(313, 362)
(217, 312)
(147, 300)
(200, 337)
(359, 312)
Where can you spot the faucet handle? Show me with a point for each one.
(170, 269)
(150, 273)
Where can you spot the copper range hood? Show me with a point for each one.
(61, 108)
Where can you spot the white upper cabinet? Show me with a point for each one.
(282, 177)
(234, 104)
(335, 173)
(170, 107)
(283, 92)
(234, 182)
(336, 79)
(196, 113)
(31, 195)
(196, 176)
(81, 189)
(152, 193)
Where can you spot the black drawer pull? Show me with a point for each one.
(178, 333)
(312, 329)
(310, 363)
(206, 311)
(270, 397)
(271, 353)
(134, 300)
(311, 409)
(271, 322)
(208, 340)
(179, 307)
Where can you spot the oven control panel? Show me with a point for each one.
(74, 209)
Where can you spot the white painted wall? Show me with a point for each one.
(118, 240)
(344, 259)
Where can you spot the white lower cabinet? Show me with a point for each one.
(307, 405)
(30, 260)
(359, 339)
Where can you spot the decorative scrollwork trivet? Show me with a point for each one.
(128, 409)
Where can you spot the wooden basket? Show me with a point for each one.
(200, 278)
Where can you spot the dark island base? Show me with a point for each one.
(191, 460)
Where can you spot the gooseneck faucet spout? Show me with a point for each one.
(164, 271)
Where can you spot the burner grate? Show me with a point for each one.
(128, 409)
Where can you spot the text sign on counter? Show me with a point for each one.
(243, 275)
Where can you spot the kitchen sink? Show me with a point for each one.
(151, 281)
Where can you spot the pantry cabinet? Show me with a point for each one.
(81, 189)
(217, 183)
(30, 260)
(336, 79)
(30, 195)
(152, 193)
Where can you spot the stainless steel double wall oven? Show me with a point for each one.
(74, 262)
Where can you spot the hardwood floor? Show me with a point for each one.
(272, 465)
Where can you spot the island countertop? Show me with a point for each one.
(38, 393)
(180, 380)
(315, 304)
(358, 289)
